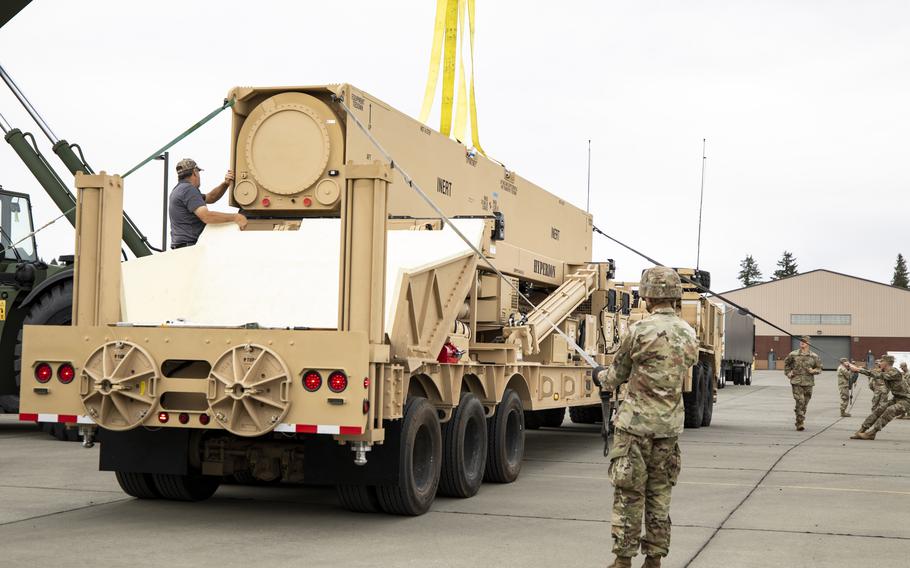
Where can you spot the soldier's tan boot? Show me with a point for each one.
(651, 562)
(844, 414)
(800, 427)
(621, 562)
(870, 435)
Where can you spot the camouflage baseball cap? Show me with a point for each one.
(843, 359)
(187, 165)
(805, 338)
(888, 359)
(660, 282)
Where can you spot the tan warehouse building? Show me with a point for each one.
(846, 316)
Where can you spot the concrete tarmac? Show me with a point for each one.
(753, 493)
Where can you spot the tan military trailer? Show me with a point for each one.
(348, 336)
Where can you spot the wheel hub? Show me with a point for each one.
(119, 385)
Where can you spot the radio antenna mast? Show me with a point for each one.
(701, 201)
(588, 205)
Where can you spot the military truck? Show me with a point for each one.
(707, 319)
(379, 331)
(739, 348)
(32, 292)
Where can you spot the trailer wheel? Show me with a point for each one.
(464, 449)
(708, 410)
(138, 485)
(586, 414)
(694, 402)
(53, 307)
(419, 458)
(506, 440)
(186, 487)
(747, 374)
(358, 498)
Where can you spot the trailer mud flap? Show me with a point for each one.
(145, 451)
(327, 463)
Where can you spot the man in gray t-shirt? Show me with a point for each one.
(188, 207)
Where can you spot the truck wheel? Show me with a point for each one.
(358, 498)
(186, 487)
(553, 417)
(694, 402)
(464, 449)
(138, 485)
(708, 410)
(748, 376)
(586, 414)
(53, 307)
(506, 440)
(419, 459)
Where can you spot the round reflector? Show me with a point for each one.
(183, 417)
(204, 419)
(163, 417)
(66, 373)
(312, 380)
(43, 372)
(338, 381)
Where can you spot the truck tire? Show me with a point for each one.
(358, 498)
(138, 485)
(694, 402)
(708, 411)
(553, 417)
(464, 449)
(419, 459)
(586, 414)
(186, 487)
(506, 440)
(53, 307)
(747, 373)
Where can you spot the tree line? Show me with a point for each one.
(750, 274)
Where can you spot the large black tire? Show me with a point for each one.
(358, 498)
(553, 417)
(138, 485)
(420, 457)
(708, 394)
(53, 307)
(186, 487)
(505, 440)
(694, 402)
(586, 414)
(748, 376)
(464, 449)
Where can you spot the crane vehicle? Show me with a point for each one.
(361, 332)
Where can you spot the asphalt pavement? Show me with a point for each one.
(753, 492)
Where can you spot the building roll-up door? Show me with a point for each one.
(830, 349)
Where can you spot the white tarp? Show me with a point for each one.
(273, 278)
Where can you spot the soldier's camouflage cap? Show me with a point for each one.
(888, 359)
(843, 360)
(660, 282)
(805, 338)
(187, 165)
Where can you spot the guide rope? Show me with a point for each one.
(182, 135)
(414, 185)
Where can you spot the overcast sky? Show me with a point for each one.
(805, 105)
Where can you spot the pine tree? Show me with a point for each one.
(749, 274)
(901, 278)
(786, 266)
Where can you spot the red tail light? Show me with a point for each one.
(43, 373)
(163, 417)
(183, 418)
(338, 381)
(66, 373)
(312, 380)
(204, 419)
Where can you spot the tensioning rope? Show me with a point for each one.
(184, 134)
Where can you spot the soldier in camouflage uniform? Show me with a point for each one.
(844, 378)
(879, 388)
(654, 357)
(899, 404)
(906, 375)
(801, 366)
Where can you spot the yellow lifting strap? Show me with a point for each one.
(448, 37)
